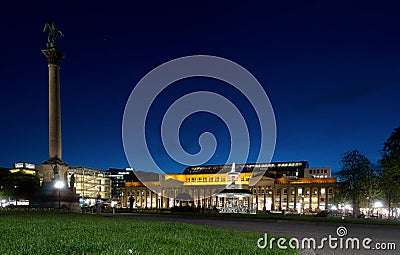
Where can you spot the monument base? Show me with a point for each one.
(49, 197)
(53, 169)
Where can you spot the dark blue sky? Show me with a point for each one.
(331, 71)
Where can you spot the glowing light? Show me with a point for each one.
(29, 166)
(59, 184)
(19, 165)
(31, 172)
(378, 204)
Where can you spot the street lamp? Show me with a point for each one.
(59, 185)
(378, 205)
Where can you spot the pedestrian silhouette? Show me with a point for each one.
(131, 201)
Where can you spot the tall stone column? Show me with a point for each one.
(141, 199)
(273, 199)
(151, 199)
(265, 199)
(54, 57)
(327, 198)
(54, 167)
(258, 189)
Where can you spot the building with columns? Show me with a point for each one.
(281, 186)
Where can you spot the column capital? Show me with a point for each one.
(53, 56)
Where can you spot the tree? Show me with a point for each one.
(18, 185)
(357, 179)
(390, 174)
(370, 190)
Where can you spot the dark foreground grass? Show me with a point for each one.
(63, 233)
(277, 217)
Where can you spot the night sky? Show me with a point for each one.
(331, 71)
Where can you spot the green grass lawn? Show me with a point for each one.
(69, 233)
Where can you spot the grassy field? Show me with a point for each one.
(312, 218)
(294, 217)
(68, 233)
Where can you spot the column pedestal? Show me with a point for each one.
(52, 171)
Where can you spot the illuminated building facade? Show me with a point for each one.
(317, 172)
(282, 186)
(20, 182)
(118, 178)
(89, 182)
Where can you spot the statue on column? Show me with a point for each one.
(55, 171)
(53, 32)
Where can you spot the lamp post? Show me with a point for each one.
(59, 185)
(378, 205)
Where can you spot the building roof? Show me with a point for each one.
(271, 169)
